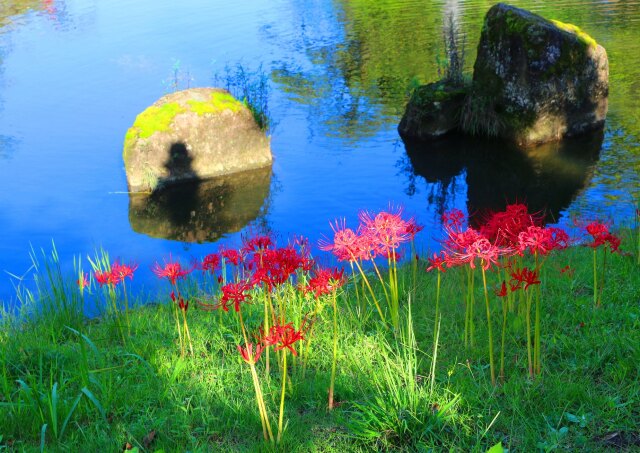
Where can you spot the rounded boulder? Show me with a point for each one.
(192, 135)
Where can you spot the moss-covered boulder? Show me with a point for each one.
(193, 134)
(535, 80)
(432, 111)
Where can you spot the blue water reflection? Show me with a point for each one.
(74, 74)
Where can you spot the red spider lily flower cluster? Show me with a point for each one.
(248, 354)
(542, 240)
(115, 275)
(274, 267)
(467, 253)
(283, 336)
(256, 244)
(325, 281)
(236, 293)
(505, 227)
(172, 270)
(601, 235)
(210, 263)
(504, 233)
(379, 234)
(231, 256)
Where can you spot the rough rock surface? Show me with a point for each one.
(433, 111)
(192, 135)
(535, 80)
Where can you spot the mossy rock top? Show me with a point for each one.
(432, 111)
(192, 134)
(535, 80)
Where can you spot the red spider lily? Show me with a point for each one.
(453, 220)
(232, 256)
(105, 278)
(234, 292)
(184, 306)
(525, 275)
(274, 267)
(171, 270)
(558, 238)
(437, 262)
(345, 242)
(122, 271)
(210, 263)
(386, 231)
(503, 290)
(481, 249)
(542, 240)
(256, 243)
(248, 354)
(413, 228)
(83, 281)
(505, 227)
(597, 229)
(325, 281)
(457, 243)
(602, 236)
(283, 336)
(614, 242)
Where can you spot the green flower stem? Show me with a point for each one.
(355, 283)
(264, 418)
(486, 300)
(384, 286)
(373, 295)
(284, 388)
(505, 308)
(595, 278)
(528, 316)
(472, 325)
(266, 328)
(187, 333)
(536, 340)
(335, 351)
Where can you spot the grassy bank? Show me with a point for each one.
(68, 383)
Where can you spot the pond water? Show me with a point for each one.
(75, 73)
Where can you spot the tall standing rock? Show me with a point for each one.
(193, 134)
(535, 80)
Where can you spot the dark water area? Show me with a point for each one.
(75, 73)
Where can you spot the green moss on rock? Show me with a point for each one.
(582, 36)
(219, 101)
(156, 119)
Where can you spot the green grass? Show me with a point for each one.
(69, 384)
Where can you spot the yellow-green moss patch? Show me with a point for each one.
(219, 101)
(573, 29)
(155, 119)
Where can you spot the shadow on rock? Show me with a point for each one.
(547, 178)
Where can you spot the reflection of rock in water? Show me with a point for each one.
(547, 178)
(201, 211)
